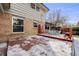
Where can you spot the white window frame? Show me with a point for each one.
(35, 22)
(16, 17)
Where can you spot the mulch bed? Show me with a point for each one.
(16, 40)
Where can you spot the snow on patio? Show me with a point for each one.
(38, 46)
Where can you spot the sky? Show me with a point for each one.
(71, 10)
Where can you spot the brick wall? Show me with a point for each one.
(5, 25)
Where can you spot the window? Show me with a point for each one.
(33, 5)
(18, 24)
(35, 24)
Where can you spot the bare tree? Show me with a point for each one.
(56, 17)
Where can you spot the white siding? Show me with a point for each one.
(25, 10)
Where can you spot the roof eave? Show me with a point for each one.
(45, 7)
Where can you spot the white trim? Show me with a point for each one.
(17, 17)
(35, 22)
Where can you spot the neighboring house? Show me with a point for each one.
(50, 26)
(21, 18)
(51, 29)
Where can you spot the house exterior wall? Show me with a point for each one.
(25, 10)
(5, 25)
(22, 10)
(29, 29)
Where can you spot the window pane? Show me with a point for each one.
(14, 21)
(17, 22)
(20, 22)
(35, 24)
(17, 28)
